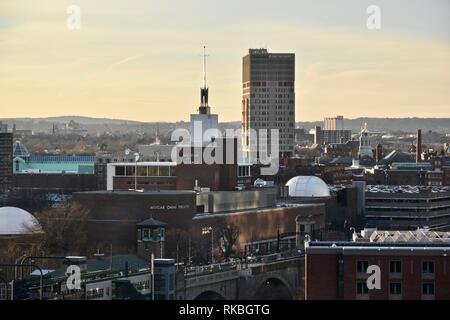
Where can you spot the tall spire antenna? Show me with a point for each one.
(204, 107)
(204, 66)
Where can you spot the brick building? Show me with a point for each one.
(413, 265)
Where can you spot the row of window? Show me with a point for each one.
(96, 293)
(395, 266)
(145, 171)
(142, 285)
(395, 288)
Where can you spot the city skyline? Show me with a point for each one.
(141, 61)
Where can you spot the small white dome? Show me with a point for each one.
(16, 221)
(307, 186)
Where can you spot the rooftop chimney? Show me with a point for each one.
(419, 146)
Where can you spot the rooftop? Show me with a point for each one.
(137, 193)
(151, 223)
(418, 236)
(59, 158)
(406, 189)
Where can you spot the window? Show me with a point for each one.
(428, 289)
(395, 288)
(361, 288)
(152, 171)
(428, 267)
(395, 267)
(120, 171)
(142, 285)
(142, 171)
(163, 171)
(94, 293)
(361, 266)
(130, 171)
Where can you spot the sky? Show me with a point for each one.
(140, 59)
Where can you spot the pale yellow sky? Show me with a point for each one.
(140, 60)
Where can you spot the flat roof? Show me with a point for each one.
(209, 215)
(137, 193)
(376, 248)
(144, 163)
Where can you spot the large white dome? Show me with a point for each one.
(307, 186)
(16, 221)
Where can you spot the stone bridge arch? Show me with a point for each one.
(209, 295)
(273, 287)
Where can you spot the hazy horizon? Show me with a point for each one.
(140, 60)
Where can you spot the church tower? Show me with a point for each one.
(204, 126)
(365, 150)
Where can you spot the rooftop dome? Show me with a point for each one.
(307, 186)
(15, 221)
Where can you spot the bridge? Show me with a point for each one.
(275, 277)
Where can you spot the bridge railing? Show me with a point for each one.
(240, 265)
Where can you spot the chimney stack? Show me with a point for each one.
(419, 146)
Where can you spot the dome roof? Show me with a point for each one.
(15, 221)
(307, 186)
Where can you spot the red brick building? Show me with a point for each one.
(412, 270)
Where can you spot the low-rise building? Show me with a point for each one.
(413, 265)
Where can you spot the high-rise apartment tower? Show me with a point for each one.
(268, 96)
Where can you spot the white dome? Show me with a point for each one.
(307, 186)
(15, 221)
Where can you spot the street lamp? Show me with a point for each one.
(136, 159)
(210, 230)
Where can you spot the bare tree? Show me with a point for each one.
(227, 237)
(65, 229)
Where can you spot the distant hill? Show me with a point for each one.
(101, 125)
(390, 124)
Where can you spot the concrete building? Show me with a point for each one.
(414, 265)
(334, 123)
(6, 167)
(407, 207)
(324, 137)
(268, 96)
(3, 127)
(185, 213)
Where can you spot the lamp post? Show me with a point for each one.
(153, 275)
(136, 158)
(210, 230)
